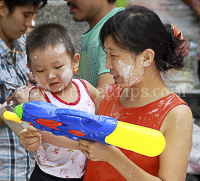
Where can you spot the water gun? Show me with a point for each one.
(76, 124)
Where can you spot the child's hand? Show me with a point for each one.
(30, 138)
(96, 151)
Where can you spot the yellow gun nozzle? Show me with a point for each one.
(11, 116)
(145, 141)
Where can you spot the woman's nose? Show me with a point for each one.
(108, 63)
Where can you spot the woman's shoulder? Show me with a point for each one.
(179, 119)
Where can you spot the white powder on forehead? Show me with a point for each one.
(67, 76)
(59, 49)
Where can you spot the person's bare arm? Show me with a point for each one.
(20, 96)
(104, 80)
(177, 129)
(96, 94)
(61, 141)
(195, 5)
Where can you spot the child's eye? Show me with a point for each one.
(40, 71)
(58, 67)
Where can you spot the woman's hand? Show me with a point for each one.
(30, 138)
(96, 151)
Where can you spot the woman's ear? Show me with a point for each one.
(76, 61)
(147, 56)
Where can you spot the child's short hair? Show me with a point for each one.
(12, 4)
(49, 34)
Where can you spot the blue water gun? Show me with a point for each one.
(75, 124)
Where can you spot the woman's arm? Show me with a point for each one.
(177, 129)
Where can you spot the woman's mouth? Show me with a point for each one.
(115, 78)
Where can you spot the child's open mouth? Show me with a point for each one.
(53, 84)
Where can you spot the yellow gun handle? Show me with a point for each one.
(142, 140)
(11, 116)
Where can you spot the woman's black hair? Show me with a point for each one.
(12, 4)
(138, 28)
(50, 34)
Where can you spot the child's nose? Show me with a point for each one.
(51, 75)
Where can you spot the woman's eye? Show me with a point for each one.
(58, 67)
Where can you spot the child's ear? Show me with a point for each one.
(2, 8)
(76, 61)
(29, 67)
(147, 56)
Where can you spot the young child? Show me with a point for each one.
(51, 58)
(139, 47)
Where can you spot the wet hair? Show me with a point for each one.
(49, 34)
(138, 28)
(12, 4)
(111, 1)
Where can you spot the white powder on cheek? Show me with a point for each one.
(67, 76)
(124, 69)
(130, 73)
(126, 72)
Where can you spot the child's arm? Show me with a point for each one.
(96, 94)
(30, 138)
(177, 129)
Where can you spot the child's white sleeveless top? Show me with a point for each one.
(64, 162)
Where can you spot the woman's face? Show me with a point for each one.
(127, 68)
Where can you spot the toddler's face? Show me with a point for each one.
(127, 68)
(52, 68)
